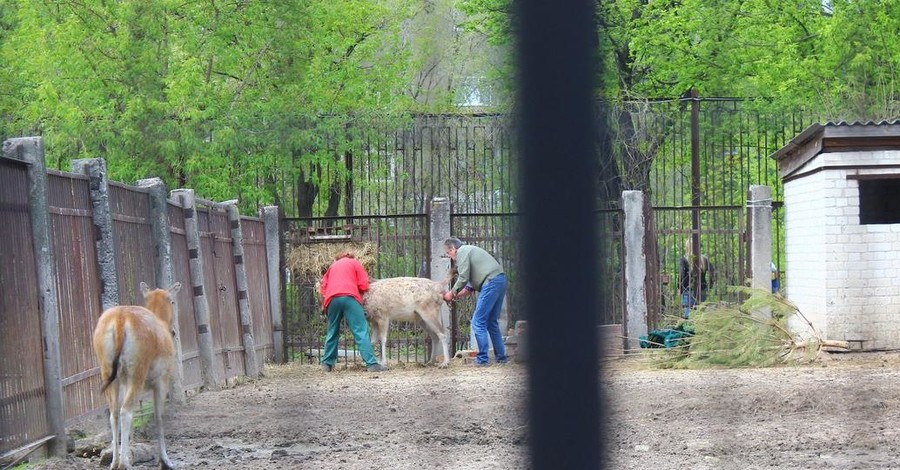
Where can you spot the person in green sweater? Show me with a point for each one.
(480, 272)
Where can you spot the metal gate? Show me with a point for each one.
(388, 246)
(722, 240)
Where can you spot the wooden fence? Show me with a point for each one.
(73, 244)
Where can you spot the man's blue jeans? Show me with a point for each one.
(485, 319)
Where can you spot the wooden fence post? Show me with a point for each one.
(31, 151)
(270, 216)
(165, 273)
(95, 170)
(201, 306)
(251, 366)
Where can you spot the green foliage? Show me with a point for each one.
(840, 55)
(212, 95)
(143, 416)
(247, 97)
(730, 335)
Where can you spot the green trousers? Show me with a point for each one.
(347, 307)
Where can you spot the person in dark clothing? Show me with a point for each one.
(694, 280)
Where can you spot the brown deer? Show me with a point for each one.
(135, 349)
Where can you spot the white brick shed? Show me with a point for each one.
(842, 230)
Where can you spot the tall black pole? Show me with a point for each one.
(695, 191)
(559, 167)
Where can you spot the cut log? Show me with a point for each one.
(825, 343)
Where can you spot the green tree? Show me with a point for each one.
(213, 95)
(835, 60)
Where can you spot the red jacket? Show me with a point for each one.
(345, 277)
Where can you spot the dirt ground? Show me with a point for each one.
(840, 413)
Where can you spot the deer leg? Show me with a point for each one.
(159, 402)
(384, 334)
(431, 320)
(126, 419)
(112, 398)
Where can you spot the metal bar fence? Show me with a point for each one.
(385, 165)
(389, 165)
(722, 240)
(498, 234)
(610, 267)
(388, 246)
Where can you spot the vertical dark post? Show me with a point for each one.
(695, 190)
(558, 125)
(31, 151)
(185, 197)
(251, 366)
(95, 170)
(348, 186)
(165, 271)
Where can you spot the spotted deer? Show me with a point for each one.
(410, 299)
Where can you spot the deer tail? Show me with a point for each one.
(118, 341)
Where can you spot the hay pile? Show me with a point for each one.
(310, 261)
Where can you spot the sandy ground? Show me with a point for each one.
(840, 413)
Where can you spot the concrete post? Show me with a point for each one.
(759, 207)
(165, 271)
(201, 306)
(439, 230)
(635, 268)
(270, 217)
(251, 366)
(95, 169)
(31, 151)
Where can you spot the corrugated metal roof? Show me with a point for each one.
(863, 123)
(836, 136)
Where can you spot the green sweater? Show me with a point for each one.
(474, 266)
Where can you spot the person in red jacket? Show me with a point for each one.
(342, 287)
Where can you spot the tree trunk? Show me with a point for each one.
(307, 192)
(609, 188)
(306, 195)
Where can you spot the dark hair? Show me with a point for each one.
(453, 242)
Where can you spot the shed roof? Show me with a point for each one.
(839, 136)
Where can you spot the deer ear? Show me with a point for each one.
(145, 289)
(175, 288)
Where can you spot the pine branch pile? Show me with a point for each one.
(754, 333)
